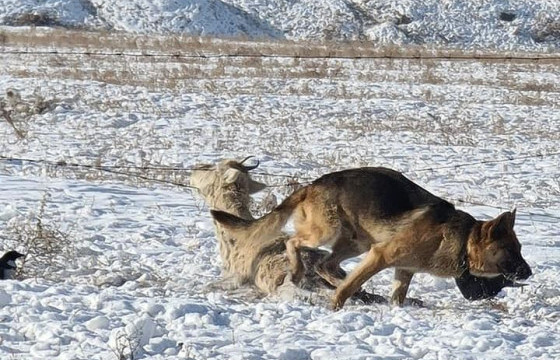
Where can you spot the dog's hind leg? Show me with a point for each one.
(314, 228)
(311, 240)
(329, 267)
(370, 265)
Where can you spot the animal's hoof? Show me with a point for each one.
(397, 301)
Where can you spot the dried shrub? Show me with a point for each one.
(48, 248)
(546, 28)
(126, 345)
(33, 19)
(17, 111)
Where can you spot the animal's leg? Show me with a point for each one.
(294, 258)
(400, 286)
(370, 265)
(329, 267)
(316, 231)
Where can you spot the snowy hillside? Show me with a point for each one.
(503, 24)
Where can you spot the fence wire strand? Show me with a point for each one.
(116, 169)
(334, 56)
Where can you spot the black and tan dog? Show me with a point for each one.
(398, 223)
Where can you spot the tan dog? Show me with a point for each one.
(398, 223)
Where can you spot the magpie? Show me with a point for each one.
(8, 264)
(479, 288)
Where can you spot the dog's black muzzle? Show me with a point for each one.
(523, 271)
(517, 270)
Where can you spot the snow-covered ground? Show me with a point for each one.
(141, 253)
(504, 24)
(135, 257)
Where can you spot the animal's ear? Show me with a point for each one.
(231, 175)
(255, 186)
(502, 224)
(507, 219)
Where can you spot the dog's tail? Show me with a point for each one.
(266, 227)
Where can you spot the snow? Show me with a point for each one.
(470, 24)
(138, 260)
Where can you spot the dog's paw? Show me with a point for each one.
(337, 301)
(336, 304)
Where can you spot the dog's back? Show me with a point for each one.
(372, 204)
(376, 192)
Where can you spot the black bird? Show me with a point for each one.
(8, 264)
(479, 288)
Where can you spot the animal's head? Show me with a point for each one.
(11, 256)
(495, 250)
(213, 181)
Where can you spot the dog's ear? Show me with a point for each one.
(502, 224)
(507, 219)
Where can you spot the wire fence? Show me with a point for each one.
(63, 163)
(550, 58)
(112, 169)
(119, 170)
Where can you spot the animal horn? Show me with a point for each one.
(248, 168)
(247, 158)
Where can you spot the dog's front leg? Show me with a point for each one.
(400, 286)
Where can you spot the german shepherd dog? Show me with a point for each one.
(398, 223)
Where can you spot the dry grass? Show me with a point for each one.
(149, 172)
(127, 344)
(18, 111)
(302, 72)
(49, 249)
(6, 114)
(546, 28)
(175, 61)
(177, 45)
(191, 74)
(314, 77)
